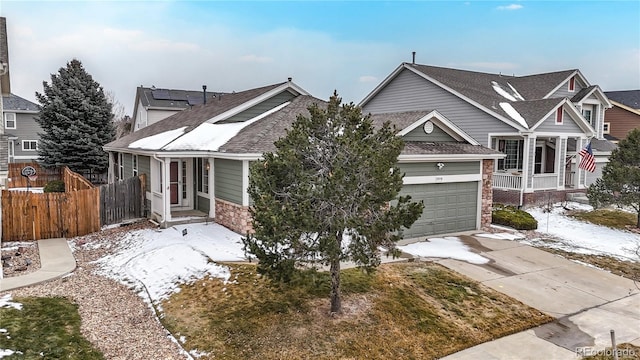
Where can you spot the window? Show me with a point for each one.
(559, 116)
(135, 165)
(606, 127)
(9, 120)
(572, 84)
(514, 150)
(29, 145)
(586, 113)
(12, 151)
(184, 179)
(203, 175)
(120, 166)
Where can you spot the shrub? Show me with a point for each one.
(54, 186)
(513, 217)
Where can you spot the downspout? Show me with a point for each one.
(164, 210)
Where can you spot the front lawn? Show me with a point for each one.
(407, 310)
(44, 328)
(616, 219)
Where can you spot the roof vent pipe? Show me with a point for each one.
(413, 57)
(204, 94)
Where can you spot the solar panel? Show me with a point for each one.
(161, 94)
(178, 95)
(195, 100)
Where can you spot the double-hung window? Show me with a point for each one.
(9, 120)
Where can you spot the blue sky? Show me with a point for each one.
(348, 46)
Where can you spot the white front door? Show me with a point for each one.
(12, 151)
(180, 188)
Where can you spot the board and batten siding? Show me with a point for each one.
(26, 129)
(437, 135)
(228, 180)
(261, 108)
(430, 168)
(568, 125)
(410, 92)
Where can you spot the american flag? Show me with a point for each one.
(588, 161)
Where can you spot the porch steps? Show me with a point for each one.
(578, 197)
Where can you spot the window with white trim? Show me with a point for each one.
(559, 114)
(29, 145)
(588, 112)
(203, 175)
(606, 128)
(9, 120)
(134, 166)
(515, 154)
(572, 84)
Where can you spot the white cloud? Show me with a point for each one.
(510, 7)
(367, 79)
(252, 58)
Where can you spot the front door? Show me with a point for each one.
(174, 188)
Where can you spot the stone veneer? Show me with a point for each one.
(233, 216)
(487, 194)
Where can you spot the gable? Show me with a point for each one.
(569, 124)
(563, 89)
(437, 134)
(261, 108)
(410, 92)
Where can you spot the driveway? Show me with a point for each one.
(586, 302)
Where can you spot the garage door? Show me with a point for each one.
(448, 208)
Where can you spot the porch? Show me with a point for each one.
(513, 181)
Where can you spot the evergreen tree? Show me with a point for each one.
(76, 120)
(620, 182)
(329, 193)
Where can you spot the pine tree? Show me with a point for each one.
(329, 193)
(76, 120)
(620, 182)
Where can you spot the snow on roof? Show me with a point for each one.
(502, 92)
(157, 141)
(515, 92)
(210, 137)
(515, 115)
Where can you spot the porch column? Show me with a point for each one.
(561, 158)
(111, 173)
(166, 196)
(212, 188)
(528, 162)
(580, 173)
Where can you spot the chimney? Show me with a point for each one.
(204, 94)
(5, 82)
(289, 79)
(413, 57)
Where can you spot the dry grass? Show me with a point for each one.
(616, 219)
(408, 311)
(628, 269)
(625, 352)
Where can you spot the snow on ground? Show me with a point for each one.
(5, 302)
(158, 261)
(581, 237)
(447, 247)
(37, 190)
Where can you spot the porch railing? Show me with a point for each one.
(507, 181)
(545, 181)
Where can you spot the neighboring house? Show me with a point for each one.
(153, 104)
(624, 116)
(197, 160)
(539, 121)
(19, 130)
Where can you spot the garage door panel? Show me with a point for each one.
(449, 207)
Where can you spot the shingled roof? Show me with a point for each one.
(532, 111)
(194, 116)
(16, 103)
(489, 90)
(172, 98)
(630, 98)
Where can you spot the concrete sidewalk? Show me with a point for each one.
(56, 260)
(586, 302)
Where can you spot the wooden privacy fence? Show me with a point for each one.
(16, 180)
(122, 200)
(34, 216)
(81, 210)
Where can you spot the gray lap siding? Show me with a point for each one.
(228, 180)
(430, 168)
(408, 92)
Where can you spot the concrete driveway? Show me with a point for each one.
(586, 302)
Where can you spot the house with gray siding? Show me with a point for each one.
(540, 122)
(198, 160)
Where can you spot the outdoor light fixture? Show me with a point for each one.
(207, 165)
(440, 165)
